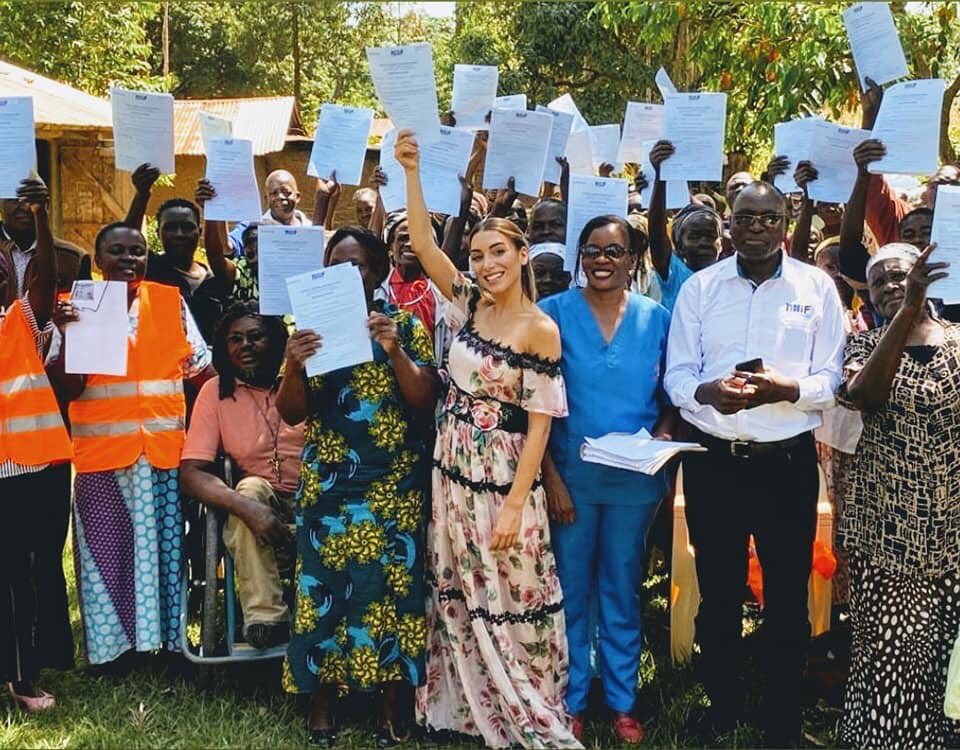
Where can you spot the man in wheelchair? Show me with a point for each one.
(236, 415)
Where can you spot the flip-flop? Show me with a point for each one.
(33, 704)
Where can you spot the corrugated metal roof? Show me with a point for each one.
(55, 105)
(266, 120)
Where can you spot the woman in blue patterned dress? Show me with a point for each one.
(360, 518)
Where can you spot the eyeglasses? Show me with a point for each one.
(766, 220)
(613, 252)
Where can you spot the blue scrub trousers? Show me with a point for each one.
(602, 552)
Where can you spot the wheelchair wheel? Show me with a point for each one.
(211, 551)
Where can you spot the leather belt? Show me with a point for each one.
(748, 449)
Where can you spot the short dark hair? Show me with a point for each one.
(375, 247)
(109, 228)
(633, 241)
(248, 230)
(549, 200)
(178, 203)
(763, 187)
(919, 211)
(276, 333)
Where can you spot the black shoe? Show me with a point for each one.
(321, 737)
(388, 737)
(263, 635)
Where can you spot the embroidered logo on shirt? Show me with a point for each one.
(804, 310)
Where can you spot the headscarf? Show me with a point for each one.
(685, 214)
(543, 248)
(892, 251)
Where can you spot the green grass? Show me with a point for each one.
(243, 706)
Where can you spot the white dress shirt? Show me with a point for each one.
(794, 322)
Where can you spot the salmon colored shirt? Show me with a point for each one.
(235, 426)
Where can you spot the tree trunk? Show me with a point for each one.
(295, 29)
(166, 40)
(948, 154)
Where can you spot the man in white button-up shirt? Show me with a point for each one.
(755, 353)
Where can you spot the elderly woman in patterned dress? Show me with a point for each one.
(901, 521)
(359, 617)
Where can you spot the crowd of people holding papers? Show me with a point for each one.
(454, 422)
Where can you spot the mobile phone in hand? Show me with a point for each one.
(751, 365)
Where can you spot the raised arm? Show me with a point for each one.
(292, 395)
(325, 203)
(438, 266)
(800, 244)
(378, 218)
(854, 213)
(418, 383)
(215, 239)
(453, 237)
(869, 388)
(660, 250)
(42, 292)
(143, 178)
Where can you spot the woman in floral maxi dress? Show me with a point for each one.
(496, 651)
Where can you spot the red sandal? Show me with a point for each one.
(628, 729)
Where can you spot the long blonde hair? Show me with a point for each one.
(512, 232)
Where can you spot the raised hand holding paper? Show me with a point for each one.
(517, 148)
(908, 124)
(283, 252)
(441, 163)
(405, 84)
(340, 143)
(474, 91)
(792, 139)
(678, 191)
(590, 197)
(946, 233)
(231, 172)
(831, 153)
(142, 129)
(605, 144)
(331, 302)
(695, 124)
(559, 134)
(641, 122)
(875, 43)
(18, 149)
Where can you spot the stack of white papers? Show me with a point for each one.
(637, 452)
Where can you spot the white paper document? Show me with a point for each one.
(518, 145)
(96, 344)
(510, 101)
(213, 128)
(875, 43)
(946, 233)
(908, 124)
(142, 129)
(664, 84)
(331, 303)
(591, 197)
(474, 91)
(18, 149)
(441, 164)
(559, 133)
(678, 191)
(566, 104)
(831, 153)
(641, 122)
(792, 139)
(405, 84)
(284, 252)
(605, 145)
(231, 172)
(638, 452)
(580, 152)
(695, 124)
(340, 143)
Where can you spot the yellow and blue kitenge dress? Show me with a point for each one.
(359, 614)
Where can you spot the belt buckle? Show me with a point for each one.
(740, 449)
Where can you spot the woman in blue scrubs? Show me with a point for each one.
(614, 346)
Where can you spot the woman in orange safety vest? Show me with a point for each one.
(128, 432)
(34, 470)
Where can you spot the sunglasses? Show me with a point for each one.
(613, 252)
(766, 220)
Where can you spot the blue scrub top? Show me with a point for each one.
(610, 388)
(670, 286)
